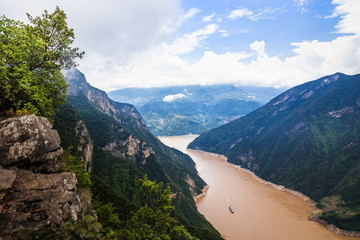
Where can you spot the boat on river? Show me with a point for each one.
(231, 209)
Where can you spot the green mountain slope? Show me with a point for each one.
(124, 150)
(306, 139)
(194, 109)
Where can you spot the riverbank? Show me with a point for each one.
(262, 211)
(335, 229)
(201, 195)
(312, 203)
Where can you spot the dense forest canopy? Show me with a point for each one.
(31, 58)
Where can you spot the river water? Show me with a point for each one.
(261, 212)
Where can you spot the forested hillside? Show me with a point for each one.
(306, 139)
(124, 150)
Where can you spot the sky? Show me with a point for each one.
(143, 43)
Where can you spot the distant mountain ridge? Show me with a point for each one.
(180, 110)
(306, 139)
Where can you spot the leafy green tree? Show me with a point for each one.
(31, 59)
(154, 220)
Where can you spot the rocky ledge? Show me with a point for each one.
(34, 191)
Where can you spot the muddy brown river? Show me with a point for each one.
(261, 212)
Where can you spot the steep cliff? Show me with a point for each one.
(122, 112)
(124, 149)
(34, 191)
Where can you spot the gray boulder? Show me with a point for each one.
(29, 142)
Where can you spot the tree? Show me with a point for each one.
(154, 220)
(31, 59)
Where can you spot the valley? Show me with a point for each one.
(193, 109)
(261, 211)
(305, 139)
(197, 120)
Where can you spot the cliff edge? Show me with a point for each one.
(34, 190)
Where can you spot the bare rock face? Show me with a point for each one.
(29, 142)
(31, 193)
(37, 200)
(7, 178)
(86, 145)
(129, 148)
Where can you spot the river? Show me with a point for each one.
(261, 212)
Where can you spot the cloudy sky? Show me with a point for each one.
(144, 43)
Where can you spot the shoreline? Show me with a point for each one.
(201, 195)
(330, 227)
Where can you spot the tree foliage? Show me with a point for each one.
(31, 58)
(154, 220)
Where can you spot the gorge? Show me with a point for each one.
(261, 211)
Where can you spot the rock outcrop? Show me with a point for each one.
(33, 190)
(122, 112)
(29, 142)
(129, 148)
(85, 143)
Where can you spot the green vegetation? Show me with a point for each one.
(31, 57)
(65, 122)
(154, 220)
(86, 228)
(77, 166)
(166, 165)
(151, 221)
(305, 139)
(197, 116)
(31, 82)
(114, 180)
(193, 108)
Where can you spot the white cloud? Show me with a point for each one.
(129, 44)
(224, 33)
(190, 14)
(259, 47)
(302, 5)
(189, 42)
(172, 98)
(109, 29)
(260, 14)
(349, 10)
(208, 18)
(239, 13)
(312, 59)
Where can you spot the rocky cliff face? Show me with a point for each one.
(33, 190)
(129, 148)
(124, 113)
(85, 143)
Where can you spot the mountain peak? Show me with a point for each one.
(74, 75)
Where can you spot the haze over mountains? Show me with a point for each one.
(193, 109)
(306, 139)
